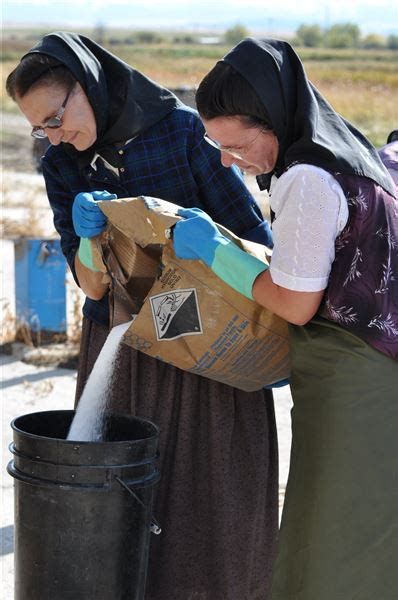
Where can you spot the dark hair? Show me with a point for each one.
(223, 92)
(35, 69)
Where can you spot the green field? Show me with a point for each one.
(362, 85)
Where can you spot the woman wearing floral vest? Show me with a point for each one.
(334, 277)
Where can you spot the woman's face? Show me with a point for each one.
(249, 147)
(78, 125)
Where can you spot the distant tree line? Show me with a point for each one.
(340, 35)
(344, 35)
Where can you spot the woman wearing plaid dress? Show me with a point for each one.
(113, 129)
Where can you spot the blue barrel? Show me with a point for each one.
(40, 290)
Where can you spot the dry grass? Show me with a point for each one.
(371, 108)
(361, 85)
(10, 229)
(8, 322)
(25, 209)
(23, 192)
(75, 321)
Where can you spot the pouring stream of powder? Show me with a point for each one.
(88, 420)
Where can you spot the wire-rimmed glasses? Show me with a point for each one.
(52, 123)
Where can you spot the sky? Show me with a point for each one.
(372, 16)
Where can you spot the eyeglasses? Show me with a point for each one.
(52, 123)
(238, 153)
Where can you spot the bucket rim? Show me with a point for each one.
(152, 436)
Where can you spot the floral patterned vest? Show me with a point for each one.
(362, 293)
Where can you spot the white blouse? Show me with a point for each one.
(310, 212)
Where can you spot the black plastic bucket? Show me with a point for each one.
(83, 510)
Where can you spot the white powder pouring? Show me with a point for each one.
(88, 421)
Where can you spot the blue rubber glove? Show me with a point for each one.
(88, 219)
(197, 237)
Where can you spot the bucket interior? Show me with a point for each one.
(56, 424)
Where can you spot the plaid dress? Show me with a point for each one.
(217, 498)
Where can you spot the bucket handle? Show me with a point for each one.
(155, 527)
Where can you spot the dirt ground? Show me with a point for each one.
(24, 205)
(16, 144)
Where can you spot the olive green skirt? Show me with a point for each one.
(339, 530)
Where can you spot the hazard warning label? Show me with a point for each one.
(176, 314)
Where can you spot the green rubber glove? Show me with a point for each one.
(237, 268)
(85, 254)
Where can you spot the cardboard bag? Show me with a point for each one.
(183, 314)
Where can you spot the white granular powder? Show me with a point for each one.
(88, 421)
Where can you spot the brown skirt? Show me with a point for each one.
(217, 500)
